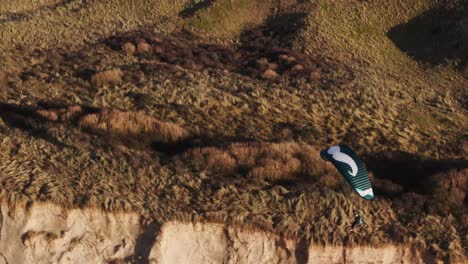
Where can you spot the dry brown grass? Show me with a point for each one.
(61, 114)
(25, 5)
(133, 124)
(448, 193)
(90, 171)
(451, 179)
(93, 20)
(267, 161)
(108, 77)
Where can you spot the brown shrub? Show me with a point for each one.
(213, 159)
(285, 59)
(269, 161)
(262, 61)
(291, 59)
(245, 154)
(158, 50)
(270, 74)
(272, 66)
(64, 114)
(315, 75)
(143, 47)
(221, 161)
(156, 39)
(48, 114)
(129, 48)
(297, 67)
(108, 77)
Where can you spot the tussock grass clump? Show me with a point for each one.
(61, 114)
(133, 124)
(267, 161)
(108, 77)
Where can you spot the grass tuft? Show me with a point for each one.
(108, 77)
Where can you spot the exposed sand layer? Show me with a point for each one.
(50, 234)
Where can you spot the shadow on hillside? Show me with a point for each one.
(277, 32)
(37, 122)
(435, 36)
(26, 119)
(194, 8)
(410, 171)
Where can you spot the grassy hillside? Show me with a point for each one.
(216, 110)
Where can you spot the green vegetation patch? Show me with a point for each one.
(227, 18)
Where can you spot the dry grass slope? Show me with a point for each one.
(126, 124)
(108, 77)
(336, 76)
(73, 23)
(263, 161)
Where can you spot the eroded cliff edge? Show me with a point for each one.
(49, 234)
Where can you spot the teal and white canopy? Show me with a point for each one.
(351, 167)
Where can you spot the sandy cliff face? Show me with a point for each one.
(49, 234)
(216, 243)
(338, 254)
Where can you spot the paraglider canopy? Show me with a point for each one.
(351, 167)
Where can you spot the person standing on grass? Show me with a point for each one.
(358, 220)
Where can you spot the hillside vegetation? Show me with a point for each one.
(217, 111)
